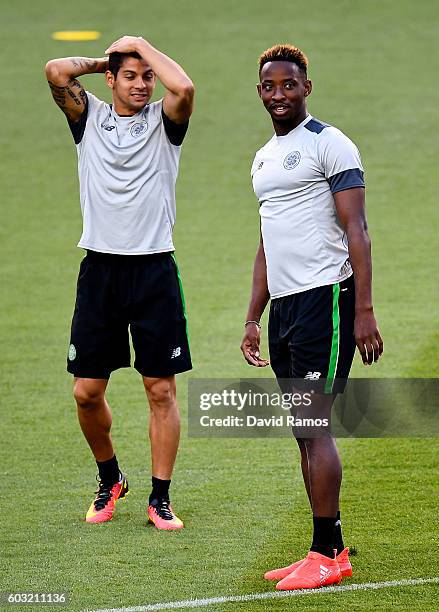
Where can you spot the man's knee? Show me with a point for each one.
(161, 392)
(88, 394)
(316, 444)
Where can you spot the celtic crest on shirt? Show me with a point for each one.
(292, 160)
(138, 129)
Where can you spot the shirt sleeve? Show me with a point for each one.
(341, 161)
(256, 165)
(78, 127)
(174, 131)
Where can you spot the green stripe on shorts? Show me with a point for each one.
(335, 339)
(182, 294)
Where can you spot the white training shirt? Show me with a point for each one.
(294, 177)
(127, 170)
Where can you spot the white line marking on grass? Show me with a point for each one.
(200, 603)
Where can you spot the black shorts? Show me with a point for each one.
(142, 292)
(311, 335)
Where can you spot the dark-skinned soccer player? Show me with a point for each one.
(314, 265)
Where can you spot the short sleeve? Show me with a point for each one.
(78, 127)
(174, 131)
(340, 160)
(256, 165)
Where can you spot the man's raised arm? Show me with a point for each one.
(179, 98)
(67, 91)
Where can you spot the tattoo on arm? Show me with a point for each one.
(61, 95)
(81, 90)
(58, 93)
(85, 64)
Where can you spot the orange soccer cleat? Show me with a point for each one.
(102, 508)
(161, 515)
(282, 572)
(315, 571)
(344, 563)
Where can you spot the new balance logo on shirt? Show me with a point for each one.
(176, 352)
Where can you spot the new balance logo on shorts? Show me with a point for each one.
(176, 352)
(313, 376)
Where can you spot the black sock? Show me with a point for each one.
(338, 537)
(109, 472)
(323, 537)
(160, 489)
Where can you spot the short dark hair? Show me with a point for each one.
(116, 59)
(284, 53)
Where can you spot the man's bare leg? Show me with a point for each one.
(322, 474)
(94, 415)
(325, 474)
(164, 424)
(304, 467)
(95, 419)
(164, 433)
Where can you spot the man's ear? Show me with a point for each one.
(258, 87)
(109, 77)
(308, 87)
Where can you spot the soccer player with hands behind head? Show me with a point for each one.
(314, 262)
(128, 157)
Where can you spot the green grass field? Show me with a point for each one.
(374, 65)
